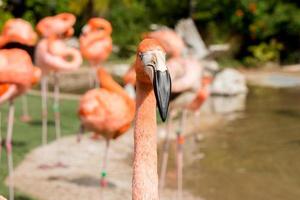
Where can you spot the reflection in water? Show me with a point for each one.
(254, 157)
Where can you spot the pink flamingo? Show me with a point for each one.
(185, 74)
(196, 103)
(107, 111)
(184, 71)
(17, 74)
(153, 82)
(52, 55)
(169, 40)
(18, 33)
(96, 43)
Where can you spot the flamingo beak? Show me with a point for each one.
(162, 90)
(155, 67)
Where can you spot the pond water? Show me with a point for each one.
(256, 156)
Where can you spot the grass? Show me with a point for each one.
(27, 136)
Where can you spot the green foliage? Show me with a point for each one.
(264, 52)
(255, 22)
(5, 15)
(128, 28)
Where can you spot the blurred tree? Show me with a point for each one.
(253, 21)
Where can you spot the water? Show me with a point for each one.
(254, 157)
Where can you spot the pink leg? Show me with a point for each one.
(56, 107)
(179, 163)
(9, 148)
(80, 133)
(91, 78)
(96, 81)
(25, 114)
(44, 90)
(103, 181)
(165, 155)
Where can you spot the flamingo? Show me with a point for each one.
(153, 88)
(194, 103)
(107, 111)
(17, 74)
(169, 40)
(184, 71)
(129, 79)
(18, 33)
(52, 55)
(96, 43)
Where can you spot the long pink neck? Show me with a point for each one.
(145, 178)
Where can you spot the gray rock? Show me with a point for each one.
(229, 82)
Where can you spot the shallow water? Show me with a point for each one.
(256, 156)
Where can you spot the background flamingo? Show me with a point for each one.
(96, 44)
(18, 33)
(52, 55)
(153, 82)
(17, 74)
(193, 105)
(108, 111)
(169, 40)
(185, 73)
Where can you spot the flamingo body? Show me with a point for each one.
(185, 74)
(169, 40)
(18, 31)
(95, 40)
(16, 68)
(61, 59)
(107, 111)
(58, 25)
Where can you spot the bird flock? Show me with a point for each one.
(29, 56)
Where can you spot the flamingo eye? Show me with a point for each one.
(141, 56)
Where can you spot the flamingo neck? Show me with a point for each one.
(107, 82)
(145, 178)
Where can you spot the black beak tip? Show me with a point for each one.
(162, 89)
(164, 116)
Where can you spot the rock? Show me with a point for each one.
(229, 82)
(186, 28)
(228, 104)
(210, 65)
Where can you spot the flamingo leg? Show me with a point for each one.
(25, 114)
(80, 133)
(91, 78)
(103, 181)
(44, 89)
(9, 148)
(96, 81)
(56, 106)
(179, 163)
(165, 156)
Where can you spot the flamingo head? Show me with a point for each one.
(60, 25)
(20, 31)
(98, 24)
(151, 69)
